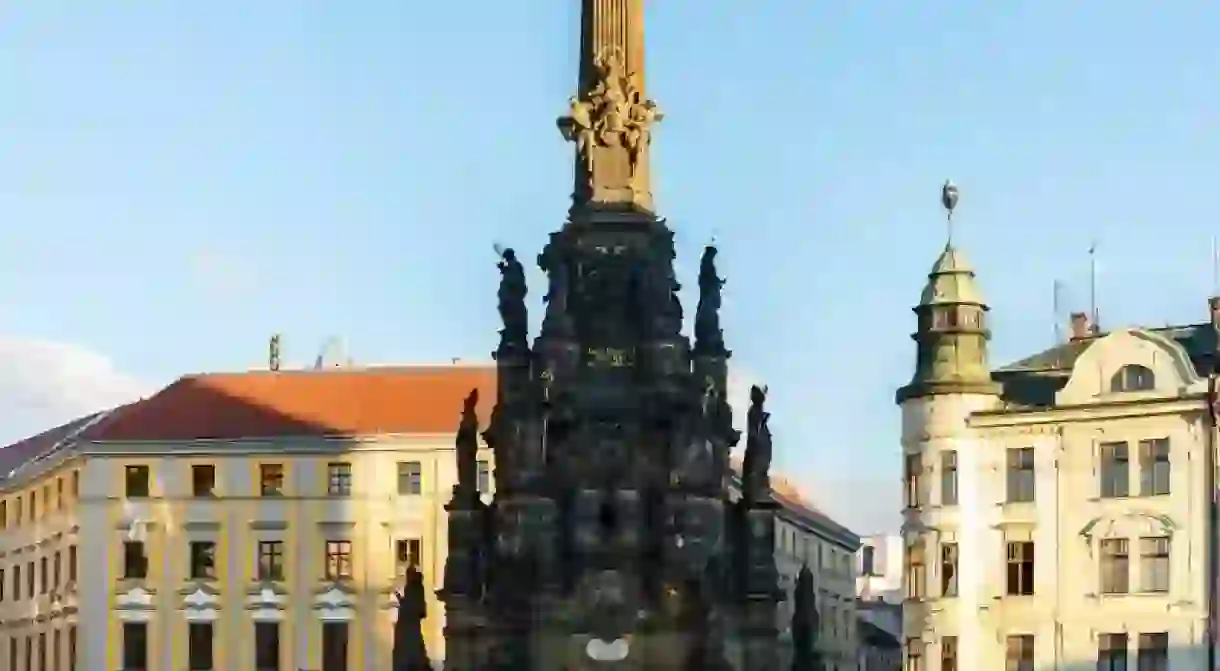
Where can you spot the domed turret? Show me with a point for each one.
(951, 334)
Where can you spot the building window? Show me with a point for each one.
(339, 479)
(948, 569)
(334, 646)
(135, 646)
(338, 560)
(1154, 564)
(12, 653)
(948, 653)
(42, 651)
(1020, 568)
(1132, 378)
(1154, 467)
(17, 511)
(71, 563)
(56, 646)
(199, 646)
(408, 552)
(916, 578)
(29, 579)
(267, 646)
(3, 514)
(59, 499)
(29, 653)
(913, 477)
(2, 584)
(72, 648)
(1153, 654)
(1112, 652)
(137, 482)
(34, 505)
(914, 654)
(17, 582)
(1115, 471)
(271, 560)
(203, 560)
(135, 561)
(948, 478)
(1021, 475)
(57, 569)
(868, 560)
(44, 575)
(203, 480)
(410, 478)
(483, 481)
(271, 479)
(1019, 653)
(75, 486)
(1115, 566)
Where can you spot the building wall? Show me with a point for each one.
(829, 556)
(372, 518)
(1068, 519)
(41, 523)
(879, 568)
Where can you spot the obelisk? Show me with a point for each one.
(610, 119)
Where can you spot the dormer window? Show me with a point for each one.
(1133, 377)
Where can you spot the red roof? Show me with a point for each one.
(335, 402)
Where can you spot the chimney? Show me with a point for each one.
(274, 354)
(1213, 309)
(1080, 327)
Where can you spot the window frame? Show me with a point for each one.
(339, 478)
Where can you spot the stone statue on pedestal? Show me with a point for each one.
(410, 653)
(512, 294)
(805, 623)
(756, 465)
(467, 446)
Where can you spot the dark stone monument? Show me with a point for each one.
(612, 542)
(410, 654)
(805, 623)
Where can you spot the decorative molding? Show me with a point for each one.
(201, 526)
(268, 525)
(1125, 525)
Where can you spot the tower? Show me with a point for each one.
(611, 537)
(951, 380)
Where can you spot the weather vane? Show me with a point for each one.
(948, 198)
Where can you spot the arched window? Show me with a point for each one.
(1133, 377)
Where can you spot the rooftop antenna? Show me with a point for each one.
(1096, 326)
(948, 199)
(1056, 306)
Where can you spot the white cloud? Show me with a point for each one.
(44, 384)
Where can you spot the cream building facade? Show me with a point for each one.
(248, 521)
(1057, 509)
(879, 568)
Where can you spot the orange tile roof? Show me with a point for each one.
(333, 402)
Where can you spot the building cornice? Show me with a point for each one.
(1089, 412)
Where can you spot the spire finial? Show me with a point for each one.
(948, 199)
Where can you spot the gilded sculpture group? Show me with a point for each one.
(613, 114)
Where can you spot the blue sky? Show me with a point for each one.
(180, 179)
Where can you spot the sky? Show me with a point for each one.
(179, 180)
